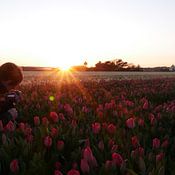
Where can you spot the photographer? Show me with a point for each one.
(10, 77)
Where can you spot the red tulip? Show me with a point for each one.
(96, 127)
(36, 120)
(145, 105)
(45, 121)
(156, 143)
(135, 141)
(159, 157)
(130, 123)
(108, 164)
(57, 172)
(22, 126)
(54, 132)
(165, 144)
(60, 145)
(111, 129)
(54, 117)
(10, 126)
(48, 141)
(84, 166)
(73, 172)
(14, 166)
(141, 122)
(117, 159)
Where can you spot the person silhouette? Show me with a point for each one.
(11, 76)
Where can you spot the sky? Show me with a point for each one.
(62, 33)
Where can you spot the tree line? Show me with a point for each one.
(114, 65)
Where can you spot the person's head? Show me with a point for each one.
(10, 75)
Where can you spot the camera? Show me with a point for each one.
(12, 98)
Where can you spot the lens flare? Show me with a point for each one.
(51, 98)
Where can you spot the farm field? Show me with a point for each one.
(96, 76)
(102, 125)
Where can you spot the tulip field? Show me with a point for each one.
(114, 127)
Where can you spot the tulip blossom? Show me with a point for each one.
(54, 117)
(54, 132)
(48, 141)
(165, 144)
(135, 141)
(130, 123)
(145, 105)
(14, 166)
(73, 172)
(89, 157)
(45, 121)
(141, 122)
(57, 172)
(10, 126)
(159, 157)
(156, 143)
(108, 164)
(60, 145)
(84, 166)
(111, 129)
(96, 127)
(117, 159)
(36, 120)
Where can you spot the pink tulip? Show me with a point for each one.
(111, 129)
(57, 165)
(57, 172)
(22, 126)
(61, 116)
(159, 157)
(54, 117)
(87, 154)
(10, 126)
(48, 141)
(130, 123)
(89, 157)
(73, 172)
(114, 148)
(145, 105)
(84, 166)
(54, 132)
(60, 145)
(156, 143)
(141, 122)
(117, 159)
(36, 120)
(96, 127)
(135, 141)
(111, 143)
(45, 121)
(108, 164)
(141, 151)
(14, 166)
(165, 144)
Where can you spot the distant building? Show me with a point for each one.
(172, 68)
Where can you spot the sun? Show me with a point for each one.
(64, 68)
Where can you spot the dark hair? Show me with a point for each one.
(10, 71)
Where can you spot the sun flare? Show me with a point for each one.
(64, 68)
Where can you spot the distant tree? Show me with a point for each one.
(85, 63)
